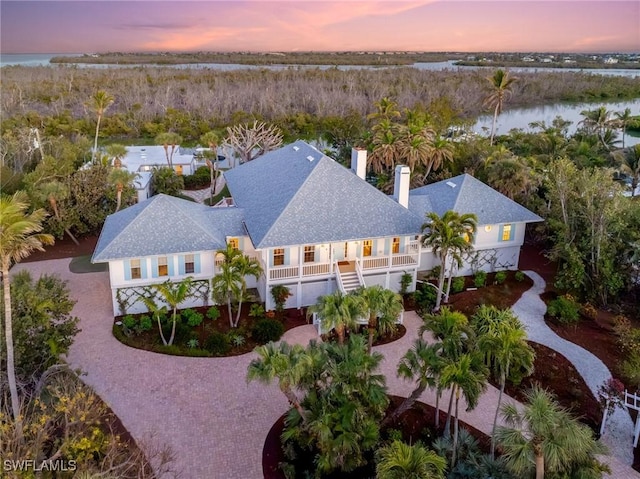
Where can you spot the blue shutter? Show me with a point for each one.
(374, 247)
(513, 232)
(387, 245)
(127, 269)
(241, 243)
(154, 267)
(170, 265)
(286, 256)
(359, 249)
(500, 231)
(181, 264)
(143, 268)
(196, 263)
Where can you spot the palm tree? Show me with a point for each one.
(245, 266)
(383, 307)
(623, 119)
(422, 363)
(501, 83)
(598, 122)
(212, 140)
(99, 102)
(339, 311)
(52, 192)
(173, 294)
(543, 437)
(287, 363)
(386, 145)
(116, 152)
(120, 178)
(156, 311)
(442, 152)
(403, 461)
(169, 139)
(503, 341)
(511, 177)
(19, 237)
(630, 164)
(227, 284)
(449, 236)
(467, 375)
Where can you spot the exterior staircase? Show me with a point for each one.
(348, 276)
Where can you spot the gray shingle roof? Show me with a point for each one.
(289, 199)
(465, 194)
(166, 225)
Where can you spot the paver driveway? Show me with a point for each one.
(214, 421)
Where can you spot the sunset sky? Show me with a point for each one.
(422, 25)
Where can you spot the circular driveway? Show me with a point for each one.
(203, 408)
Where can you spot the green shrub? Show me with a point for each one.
(256, 311)
(480, 279)
(457, 285)
(266, 330)
(213, 313)
(193, 343)
(236, 339)
(501, 277)
(519, 276)
(129, 322)
(192, 317)
(217, 344)
(145, 322)
(564, 309)
(405, 281)
(200, 179)
(425, 297)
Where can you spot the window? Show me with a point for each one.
(367, 247)
(506, 233)
(136, 272)
(234, 243)
(179, 170)
(189, 264)
(395, 245)
(278, 256)
(163, 268)
(309, 254)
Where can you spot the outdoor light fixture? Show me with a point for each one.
(487, 228)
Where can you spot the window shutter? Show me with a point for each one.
(374, 247)
(127, 269)
(512, 232)
(181, 264)
(170, 265)
(154, 267)
(196, 263)
(143, 268)
(286, 256)
(386, 245)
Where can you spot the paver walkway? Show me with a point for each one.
(214, 421)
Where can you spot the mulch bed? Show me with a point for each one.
(418, 423)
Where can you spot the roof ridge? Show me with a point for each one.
(188, 204)
(459, 194)
(306, 180)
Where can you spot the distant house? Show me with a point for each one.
(610, 60)
(314, 225)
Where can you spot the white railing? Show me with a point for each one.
(413, 247)
(219, 259)
(336, 268)
(403, 260)
(284, 272)
(359, 273)
(375, 262)
(315, 269)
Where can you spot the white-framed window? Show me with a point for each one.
(189, 264)
(163, 267)
(367, 247)
(395, 245)
(234, 243)
(309, 254)
(136, 270)
(507, 233)
(278, 256)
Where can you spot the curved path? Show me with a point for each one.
(215, 422)
(530, 308)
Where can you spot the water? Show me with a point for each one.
(42, 59)
(521, 117)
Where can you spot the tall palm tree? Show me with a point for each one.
(339, 311)
(169, 141)
(623, 119)
(287, 363)
(227, 284)
(543, 437)
(467, 375)
(403, 461)
(598, 122)
(212, 140)
(99, 102)
(173, 294)
(245, 266)
(448, 237)
(422, 363)
(442, 151)
(51, 193)
(19, 237)
(630, 164)
(383, 307)
(501, 83)
(116, 152)
(386, 145)
(120, 178)
(502, 339)
(511, 177)
(156, 311)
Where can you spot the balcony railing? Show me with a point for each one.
(285, 272)
(315, 269)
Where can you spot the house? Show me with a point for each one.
(314, 225)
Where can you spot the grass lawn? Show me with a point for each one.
(82, 264)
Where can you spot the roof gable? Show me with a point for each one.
(466, 194)
(290, 199)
